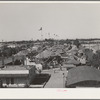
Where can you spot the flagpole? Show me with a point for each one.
(49, 35)
(41, 35)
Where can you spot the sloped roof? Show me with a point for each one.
(72, 61)
(59, 51)
(81, 74)
(21, 53)
(44, 54)
(34, 48)
(68, 66)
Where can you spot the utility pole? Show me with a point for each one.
(63, 80)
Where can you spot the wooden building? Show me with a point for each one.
(17, 76)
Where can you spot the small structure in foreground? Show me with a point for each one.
(17, 76)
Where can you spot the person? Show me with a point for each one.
(60, 65)
(39, 67)
(26, 61)
(54, 65)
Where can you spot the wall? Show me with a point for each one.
(32, 73)
(18, 82)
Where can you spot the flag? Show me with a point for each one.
(40, 29)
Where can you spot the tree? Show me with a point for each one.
(68, 41)
(77, 43)
(96, 60)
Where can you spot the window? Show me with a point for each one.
(12, 80)
(7, 81)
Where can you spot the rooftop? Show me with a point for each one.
(16, 67)
(82, 73)
(15, 71)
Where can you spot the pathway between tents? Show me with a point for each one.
(57, 79)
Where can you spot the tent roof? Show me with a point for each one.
(21, 53)
(59, 51)
(72, 61)
(82, 73)
(68, 66)
(44, 54)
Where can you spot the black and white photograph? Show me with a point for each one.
(49, 45)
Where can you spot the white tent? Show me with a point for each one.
(44, 54)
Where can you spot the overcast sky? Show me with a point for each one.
(22, 21)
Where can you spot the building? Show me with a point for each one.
(83, 76)
(17, 76)
(12, 45)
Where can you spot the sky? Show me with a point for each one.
(22, 21)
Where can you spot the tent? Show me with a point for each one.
(34, 48)
(68, 66)
(83, 74)
(71, 60)
(22, 53)
(44, 54)
(59, 51)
